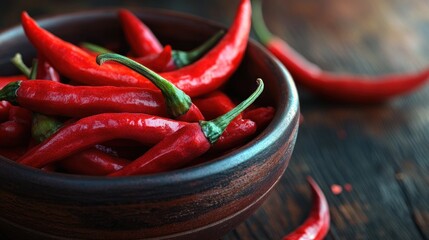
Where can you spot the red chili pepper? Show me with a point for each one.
(201, 77)
(179, 105)
(13, 134)
(87, 132)
(317, 224)
(97, 160)
(344, 87)
(211, 71)
(237, 132)
(191, 141)
(15, 131)
(75, 63)
(262, 116)
(45, 71)
(92, 162)
(4, 110)
(20, 115)
(141, 39)
(157, 62)
(214, 104)
(54, 98)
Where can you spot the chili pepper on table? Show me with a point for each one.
(201, 77)
(344, 87)
(317, 224)
(191, 141)
(141, 39)
(88, 131)
(179, 105)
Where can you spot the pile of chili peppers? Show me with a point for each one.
(154, 110)
(150, 110)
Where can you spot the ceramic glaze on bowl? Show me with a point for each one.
(200, 202)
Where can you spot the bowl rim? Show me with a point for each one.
(282, 121)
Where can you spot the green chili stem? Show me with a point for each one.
(213, 129)
(184, 58)
(95, 48)
(33, 72)
(19, 63)
(178, 103)
(8, 92)
(258, 23)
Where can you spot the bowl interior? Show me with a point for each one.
(182, 32)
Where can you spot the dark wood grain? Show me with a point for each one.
(382, 150)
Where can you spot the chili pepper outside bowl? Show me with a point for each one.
(200, 202)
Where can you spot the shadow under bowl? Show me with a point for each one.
(200, 202)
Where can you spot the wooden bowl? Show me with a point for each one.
(200, 202)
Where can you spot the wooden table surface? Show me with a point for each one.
(380, 150)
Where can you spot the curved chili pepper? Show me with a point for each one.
(344, 87)
(179, 105)
(201, 77)
(79, 65)
(191, 141)
(211, 71)
(87, 132)
(317, 224)
(141, 39)
(262, 116)
(95, 161)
